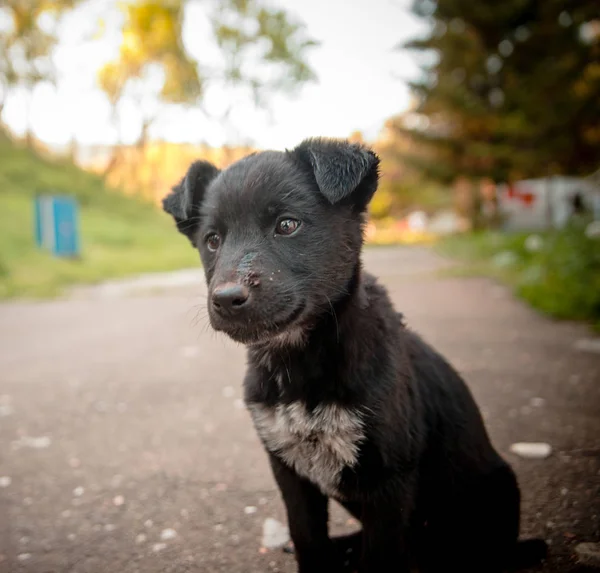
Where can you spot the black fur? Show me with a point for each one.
(332, 164)
(183, 203)
(426, 483)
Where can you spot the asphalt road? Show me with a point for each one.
(124, 445)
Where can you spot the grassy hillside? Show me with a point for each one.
(119, 235)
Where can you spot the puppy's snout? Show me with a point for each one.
(230, 297)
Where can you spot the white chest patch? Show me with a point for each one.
(317, 444)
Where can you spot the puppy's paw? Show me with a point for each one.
(344, 556)
(347, 551)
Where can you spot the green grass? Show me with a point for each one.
(561, 278)
(120, 235)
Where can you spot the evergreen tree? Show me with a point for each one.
(510, 89)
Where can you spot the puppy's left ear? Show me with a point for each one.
(345, 172)
(183, 203)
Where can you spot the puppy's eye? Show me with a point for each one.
(213, 242)
(287, 226)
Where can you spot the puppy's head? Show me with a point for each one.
(279, 234)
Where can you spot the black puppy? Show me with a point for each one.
(349, 403)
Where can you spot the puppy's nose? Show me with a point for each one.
(230, 297)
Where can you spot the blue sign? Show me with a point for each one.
(57, 225)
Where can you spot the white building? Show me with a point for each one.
(549, 202)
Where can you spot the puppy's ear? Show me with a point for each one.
(183, 203)
(344, 171)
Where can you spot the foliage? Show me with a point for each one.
(560, 278)
(249, 36)
(240, 26)
(152, 170)
(401, 187)
(151, 36)
(120, 235)
(389, 231)
(509, 89)
(26, 43)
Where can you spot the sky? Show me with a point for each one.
(362, 81)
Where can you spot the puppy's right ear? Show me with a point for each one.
(183, 203)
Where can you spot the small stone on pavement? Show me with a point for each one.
(167, 534)
(275, 534)
(588, 554)
(588, 345)
(37, 443)
(5, 410)
(141, 538)
(531, 450)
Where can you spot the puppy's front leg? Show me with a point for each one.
(384, 539)
(307, 517)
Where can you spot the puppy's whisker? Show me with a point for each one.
(337, 326)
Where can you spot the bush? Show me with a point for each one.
(565, 281)
(556, 272)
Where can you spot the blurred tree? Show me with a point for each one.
(509, 90)
(246, 33)
(26, 43)
(403, 187)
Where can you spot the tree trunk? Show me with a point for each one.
(114, 156)
(112, 162)
(142, 141)
(29, 138)
(136, 163)
(72, 149)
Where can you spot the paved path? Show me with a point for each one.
(120, 418)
